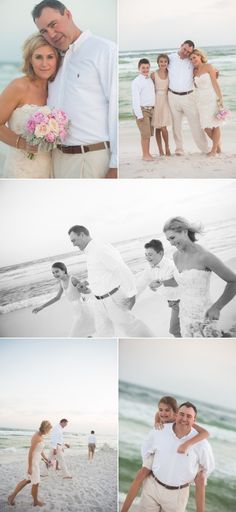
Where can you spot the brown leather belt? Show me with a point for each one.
(73, 150)
(100, 297)
(170, 487)
(180, 93)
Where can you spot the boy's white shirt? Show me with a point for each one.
(163, 271)
(143, 94)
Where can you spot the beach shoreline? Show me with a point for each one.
(192, 165)
(92, 488)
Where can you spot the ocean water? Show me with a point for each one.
(31, 283)
(137, 407)
(222, 57)
(18, 440)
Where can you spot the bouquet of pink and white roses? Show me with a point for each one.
(46, 128)
(223, 112)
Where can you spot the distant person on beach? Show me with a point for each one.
(86, 89)
(193, 268)
(143, 101)
(162, 116)
(34, 458)
(57, 448)
(83, 324)
(167, 413)
(181, 98)
(208, 97)
(161, 272)
(21, 98)
(113, 286)
(91, 445)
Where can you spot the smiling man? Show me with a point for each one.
(167, 488)
(85, 87)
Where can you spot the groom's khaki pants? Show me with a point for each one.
(60, 459)
(156, 498)
(94, 164)
(186, 106)
(113, 319)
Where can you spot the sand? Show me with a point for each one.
(152, 308)
(93, 487)
(192, 165)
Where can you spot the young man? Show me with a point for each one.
(161, 271)
(143, 101)
(85, 87)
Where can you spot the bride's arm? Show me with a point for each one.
(10, 99)
(215, 84)
(216, 265)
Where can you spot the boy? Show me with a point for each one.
(143, 101)
(161, 271)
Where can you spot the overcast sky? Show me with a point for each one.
(150, 24)
(202, 370)
(51, 379)
(17, 24)
(36, 214)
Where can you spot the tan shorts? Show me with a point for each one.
(145, 125)
(91, 447)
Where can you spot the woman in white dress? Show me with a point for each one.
(83, 324)
(21, 98)
(194, 266)
(208, 98)
(33, 470)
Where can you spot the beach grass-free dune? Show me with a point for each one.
(93, 487)
(192, 165)
(152, 308)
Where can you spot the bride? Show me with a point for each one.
(194, 266)
(18, 101)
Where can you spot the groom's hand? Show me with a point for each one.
(129, 302)
(155, 284)
(111, 173)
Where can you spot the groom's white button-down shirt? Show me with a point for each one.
(180, 73)
(57, 436)
(143, 94)
(107, 270)
(163, 271)
(171, 467)
(85, 87)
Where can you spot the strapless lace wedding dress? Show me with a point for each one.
(194, 287)
(17, 164)
(206, 101)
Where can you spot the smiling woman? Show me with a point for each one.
(19, 101)
(193, 271)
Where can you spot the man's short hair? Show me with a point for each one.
(64, 420)
(53, 4)
(78, 230)
(189, 404)
(189, 42)
(156, 245)
(143, 61)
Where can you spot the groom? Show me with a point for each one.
(181, 98)
(85, 88)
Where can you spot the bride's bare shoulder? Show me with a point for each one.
(19, 84)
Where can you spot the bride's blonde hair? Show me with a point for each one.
(179, 224)
(30, 45)
(200, 54)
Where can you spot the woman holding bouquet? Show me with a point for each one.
(83, 324)
(194, 266)
(208, 97)
(21, 98)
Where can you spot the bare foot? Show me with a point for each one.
(168, 153)
(179, 152)
(10, 500)
(67, 477)
(148, 158)
(39, 503)
(161, 153)
(211, 153)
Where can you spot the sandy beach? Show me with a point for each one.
(192, 165)
(93, 487)
(152, 308)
